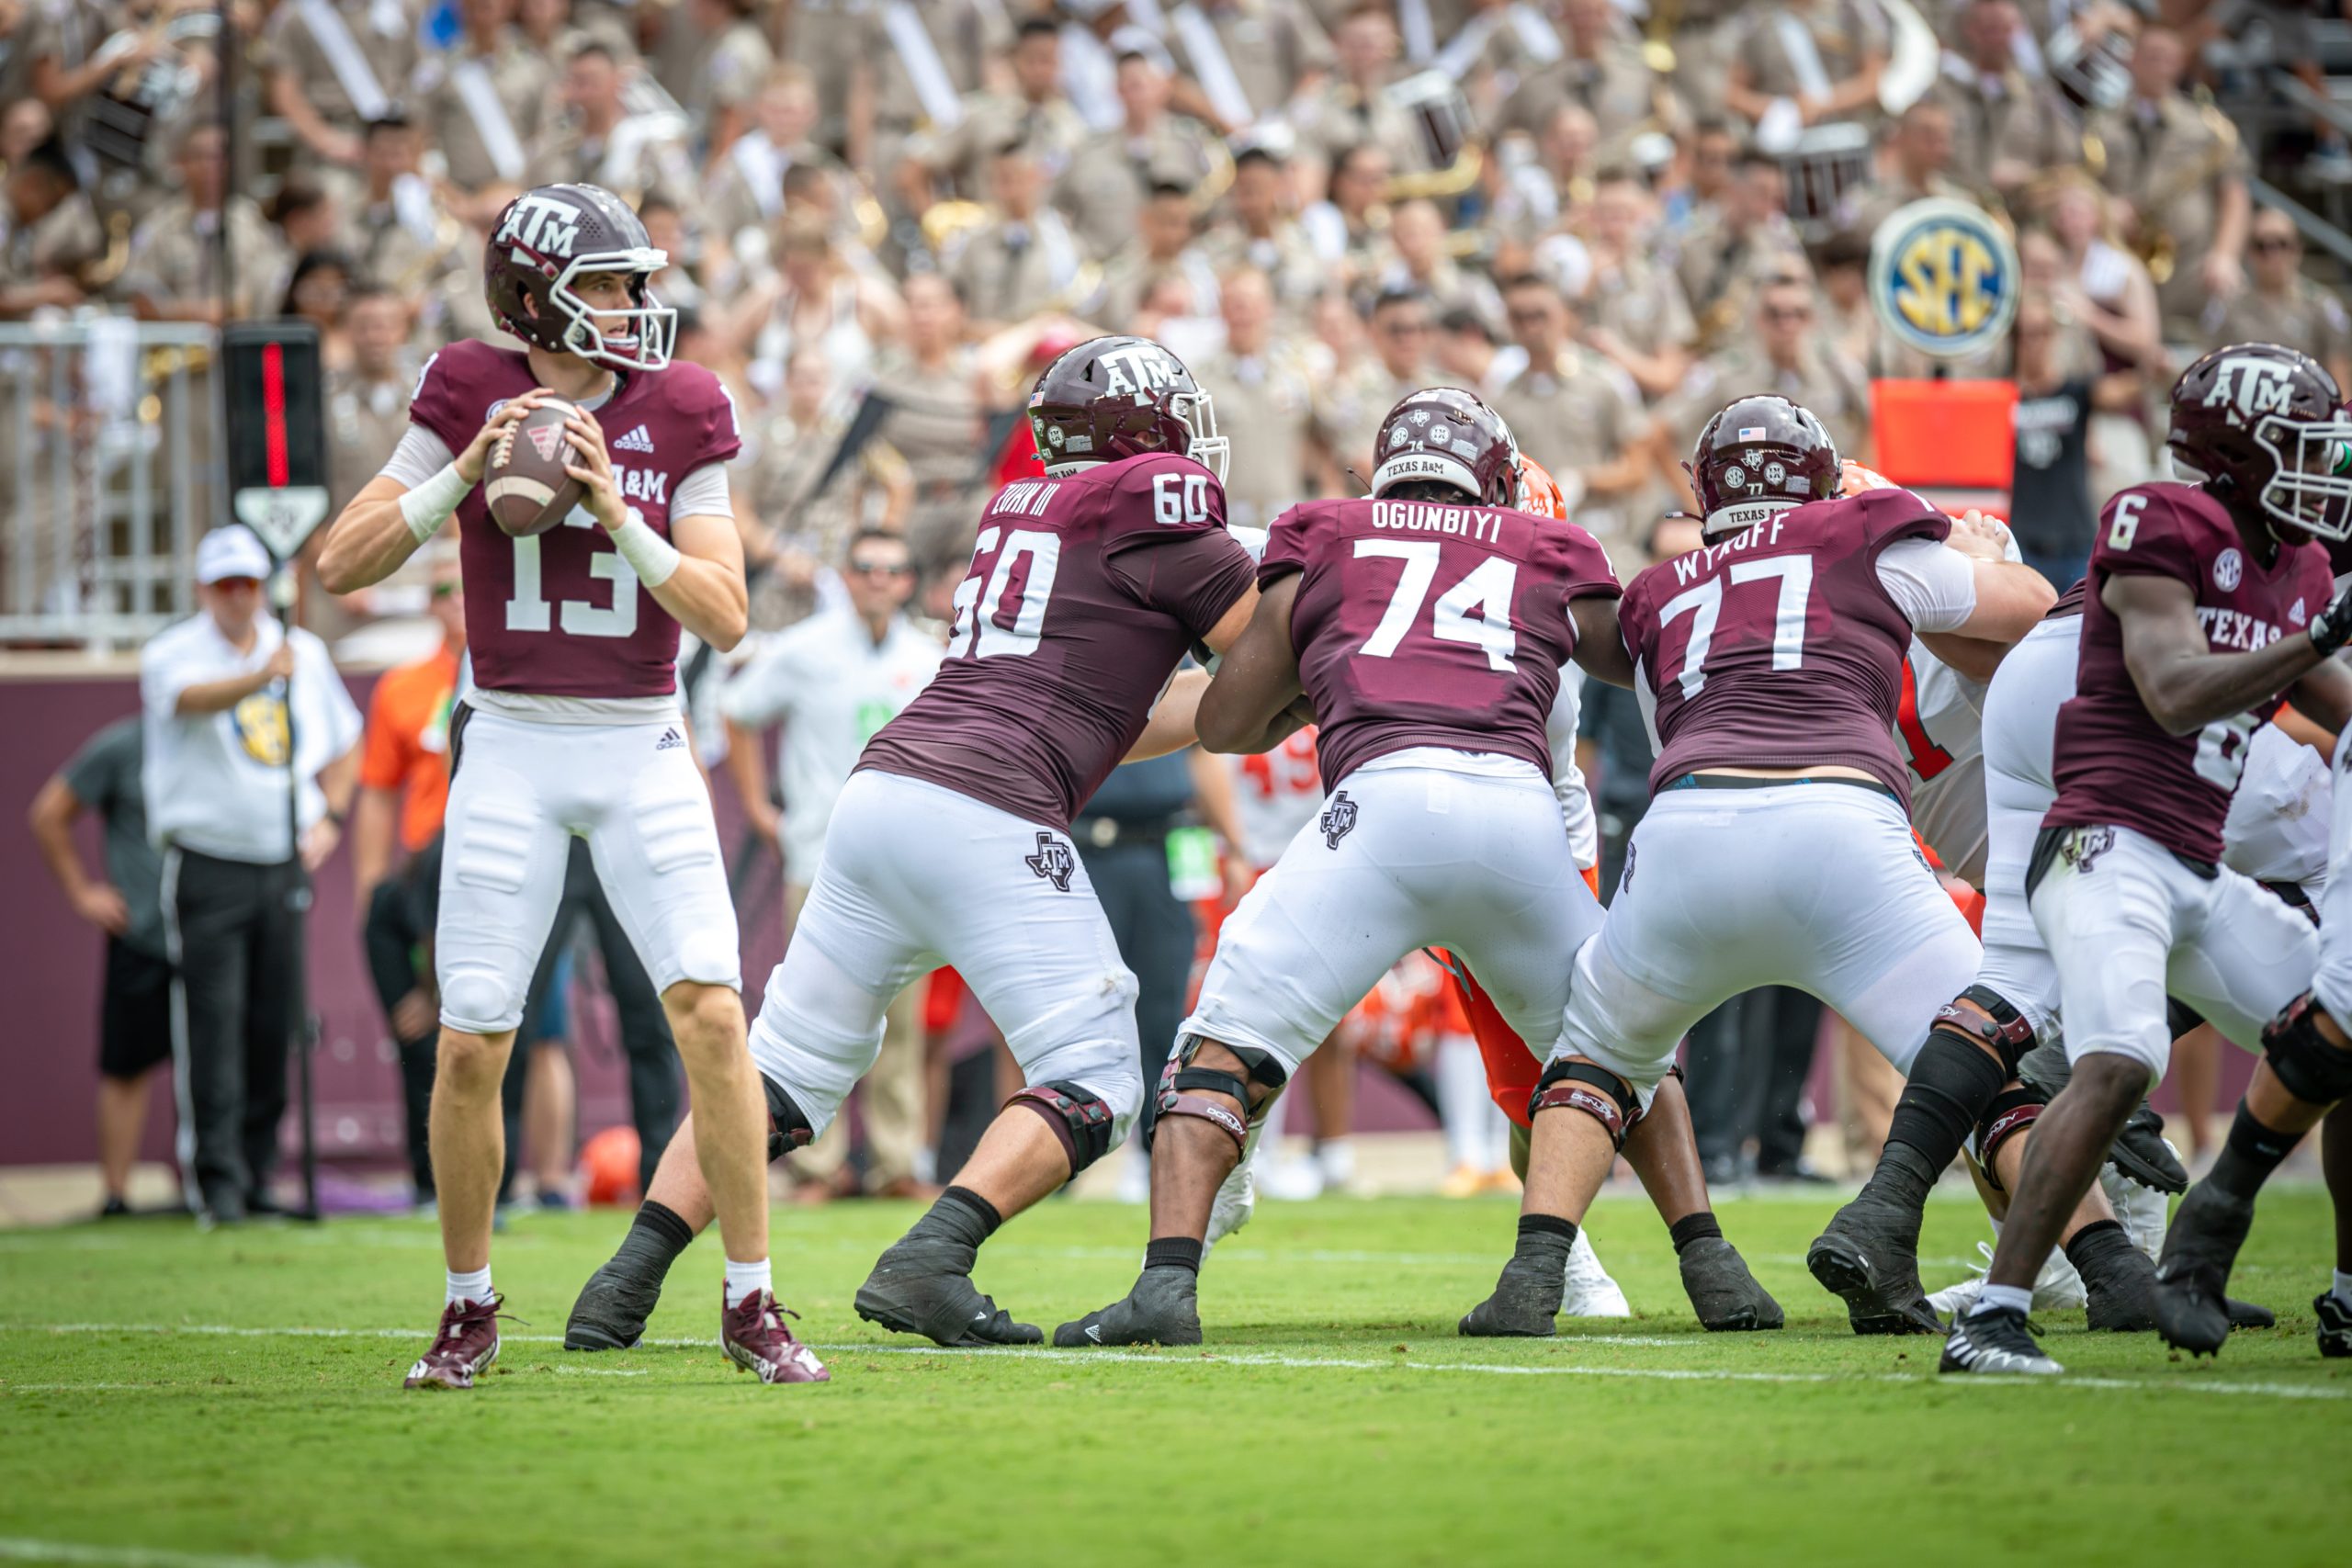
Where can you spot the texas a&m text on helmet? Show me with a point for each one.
(546, 240)
(1760, 455)
(1121, 397)
(2260, 424)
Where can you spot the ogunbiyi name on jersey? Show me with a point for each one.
(1429, 517)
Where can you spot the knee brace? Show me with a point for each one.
(1180, 1076)
(483, 1000)
(2011, 1112)
(1592, 1089)
(2005, 1033)
(2312, 1068)
(788, 1126)
(1081, 1118)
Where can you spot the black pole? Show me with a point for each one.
(298, 905)
(224, 262)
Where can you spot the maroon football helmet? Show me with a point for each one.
(1448, 436)
(1121, 397)
(2260, 423)
(1757, 455)
(547, 239)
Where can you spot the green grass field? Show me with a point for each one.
(184, 1401)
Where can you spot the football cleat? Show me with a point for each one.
(2246, 1315)
(2057, 1289)
(2334, 1325)
(2193, 1312)
(613, 1307)
(1587, 1291)
(924, 1285)
(1162, 1309)
(464, 1346)
(1997, 1341)
(753, 1335)
(1726, 1298)
(1524, 1305)
(1870, 1256)
(2122, 1300)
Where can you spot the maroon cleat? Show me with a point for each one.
(467, 1343)
(757, 1341)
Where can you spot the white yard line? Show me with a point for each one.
(18, 1549)
(1015, 1355)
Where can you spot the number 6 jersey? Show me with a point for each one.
(2114, 763)
(1781, 646)
(1083, 595)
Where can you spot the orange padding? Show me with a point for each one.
(1960, 435)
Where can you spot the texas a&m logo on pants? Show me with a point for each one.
(1339, 819)
(1054, 862)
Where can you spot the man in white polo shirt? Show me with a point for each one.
(831, 682)
(216, 689)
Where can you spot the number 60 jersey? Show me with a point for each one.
(1083, 595)
(2115, 764)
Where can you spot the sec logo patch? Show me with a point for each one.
(2229, 571)
(1944, 277)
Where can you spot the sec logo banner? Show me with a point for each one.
(1944, 278)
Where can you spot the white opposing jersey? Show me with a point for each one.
(1275, 795)
(1567, 779)
(1940, 729)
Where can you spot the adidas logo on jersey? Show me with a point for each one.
(671, 741)
(637, 440)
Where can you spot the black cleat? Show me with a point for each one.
(1163, 1309)
(1996, 1341)
(2246, 1314)
(2193, 1312)
(2334, 1325)
(611, 1312)
(1725, 1296)
(2141, 1153)
(1870, 1256)
(1524, 1305)
(2122, 1299)
(924, 1285)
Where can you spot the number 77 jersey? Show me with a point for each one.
(1083, 595)
(1781, 646)
(2115, 765)
(1431, 624)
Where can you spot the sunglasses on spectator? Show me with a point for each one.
(2273, 243)
(881, 569)
(237, 584)
(1788, 313)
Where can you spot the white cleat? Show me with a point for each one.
(1591, 1291)
(2059, 1287)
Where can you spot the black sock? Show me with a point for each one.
(1951, 1083)
(1173, 1252)
(1700, 1226)
(964, 1214)
(655, 1239)
(1544, 1240)
(2098, 1248)
(2249, 1156)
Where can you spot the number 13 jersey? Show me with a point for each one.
(2115, 764)
(1431, 624)
(1083, 595)
(1781, 646)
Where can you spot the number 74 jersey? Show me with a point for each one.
(2115, 765)
(1082, 597)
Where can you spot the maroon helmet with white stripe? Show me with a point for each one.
(1445, 435)
(1757, 455)
(544, 241)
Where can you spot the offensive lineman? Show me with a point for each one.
(1778, 850)
(1426, 624)
(2202, 605)
(1085, 590)
(573, 726)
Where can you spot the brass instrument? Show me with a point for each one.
(2154, 243)
(1657, 34)
(1440, 112)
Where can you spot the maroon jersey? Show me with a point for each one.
(2113, 763)
(1084, 594)
(1424, 624)
(1778, 646)
(561, 615)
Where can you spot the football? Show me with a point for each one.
(523, 481)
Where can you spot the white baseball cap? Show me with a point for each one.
(233, 551)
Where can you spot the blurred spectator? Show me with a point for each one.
(1036, 116)
(482, 104)
(49, 233)
(746, 192)
(402, 235)
(2281, 305)
(597, 140)
(929, 393)
(2176, 171)
(725, 73)
(1742, 238)
(1163, 247)
(1022, 258)
(135, 1035)
(1848, 323)
(367, 400)
(216, 689)
(1350, 226)
(1601, 71)
(335, 66)
(1264, 400)
(831, 682)
(1352, 108)
(1577, 414)
(1552, 189)
(1260, 230)
(905, 65)
(1785, 352)
(315, 293)
(403, 794)
(1471, 356)
(1419, 238)
(1800, 63)
(1244, 60)
(800, 508)
(174, 271)
(1109, 174)
(2008, 127)
(1916, 165)
(1353, 403)
(814, 301)
(2053, 512)
(1639, 317)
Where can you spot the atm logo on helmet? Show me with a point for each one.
(2247, 388)
(1139, 367)
(542, 223)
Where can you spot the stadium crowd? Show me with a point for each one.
(882, 218)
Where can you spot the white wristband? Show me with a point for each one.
(428, 505)
(651, 557)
